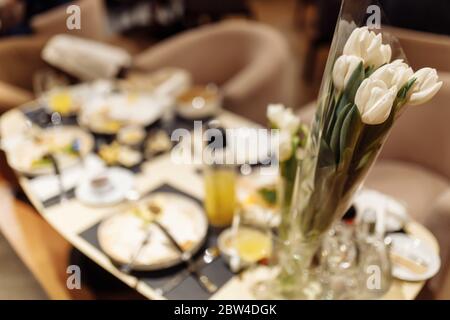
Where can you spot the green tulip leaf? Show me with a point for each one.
(403, 92)
(326, 156)
(350, 131)
(338, 126)
(354, 82)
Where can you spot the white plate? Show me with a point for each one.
(121, 182)
(395, 213)
(121, 234)
(128, 109)
(80, 93)
(25, 149)
(415, 249)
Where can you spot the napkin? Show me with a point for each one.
(85, 59)
(47, 186)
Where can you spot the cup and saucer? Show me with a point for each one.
(105, 188)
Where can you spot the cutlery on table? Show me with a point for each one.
(186, 257)
(129, 266)
(210, 255)
(412, 263)
(58, 173)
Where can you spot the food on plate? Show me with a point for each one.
(199, 101)
(148, 211)
(268, 194)
(29, 152)
(110, 113)
(121, 234)
(153, 209)
(131, 135)
(101, 122)
(265, 196)
(115, 153)
(157, 142)
(63, 102)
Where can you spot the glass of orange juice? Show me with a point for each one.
(220, 195)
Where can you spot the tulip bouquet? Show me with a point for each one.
(364, 91)
(366, 95)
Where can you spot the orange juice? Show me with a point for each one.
(220, 195)
(252, 244)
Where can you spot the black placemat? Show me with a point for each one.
(217, 271)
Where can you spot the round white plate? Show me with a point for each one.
(121, 182)
(413, 249)
(128, 109)
(121, 235)
(24, 148)
(395, 213)
(80, 93)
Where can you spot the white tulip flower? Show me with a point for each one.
(285, 145)
(283, 118)
(396, 73)
(275, 113)
(343, 70)
(425, 86)
(374, 100)
(368, 46)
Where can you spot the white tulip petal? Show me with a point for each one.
(424, 96)
(275, 113)
(396, 73)
(283, 118)
(368, 46)
(425, 87)
(343, 70)
(285, 145)
(374, 101)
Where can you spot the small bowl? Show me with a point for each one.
(199, 102)
(230, 254)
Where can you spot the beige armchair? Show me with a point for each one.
(248, 60)
(19, 60)
(20, 56)
(92, 14)
(424, 49)
(94, 25)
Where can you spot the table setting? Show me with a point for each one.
(287, 219)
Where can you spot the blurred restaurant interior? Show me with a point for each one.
(241, 54)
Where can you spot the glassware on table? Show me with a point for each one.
(251, 240)
(219, 178)
(220, 195)
(339, 265)
(375, 264)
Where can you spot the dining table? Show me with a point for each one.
(78, 224)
